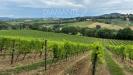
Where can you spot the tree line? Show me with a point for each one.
(122, 34)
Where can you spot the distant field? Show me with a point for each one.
(91, 24)
(80, 24)
(103, 25)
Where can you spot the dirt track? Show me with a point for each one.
(84, 68)
(80, 68)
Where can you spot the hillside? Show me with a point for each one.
(91, 24)
(32, 34)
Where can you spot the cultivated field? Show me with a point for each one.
(30, 52)
(91, 24)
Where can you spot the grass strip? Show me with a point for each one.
(114, 68)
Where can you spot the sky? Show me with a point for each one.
(62, 8)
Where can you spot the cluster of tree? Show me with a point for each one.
(124, 34)
(4, 26)
(131, 17)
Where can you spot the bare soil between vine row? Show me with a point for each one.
(80, 65)
(29, 59)
(57, 68)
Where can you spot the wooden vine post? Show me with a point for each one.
(94, 64)
(45, 55)
(13, 50)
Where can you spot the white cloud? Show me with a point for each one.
(62, 3)
(66, 3)
(98, 6)
(45, 3)
(5, 15)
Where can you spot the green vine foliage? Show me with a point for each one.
(97, 48)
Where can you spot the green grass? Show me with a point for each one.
(57, 37)
(32, 34)
(113, 67)
(80, 24)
